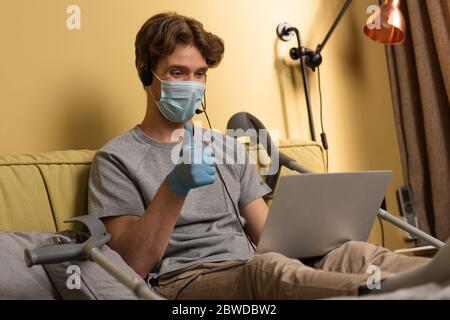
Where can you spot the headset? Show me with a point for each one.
(145, 73)
(146, 76)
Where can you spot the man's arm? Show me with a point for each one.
(255, 214)
(142, 241)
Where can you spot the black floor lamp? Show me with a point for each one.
(309, 58)
(386, 25)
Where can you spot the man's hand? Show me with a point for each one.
(189, 174)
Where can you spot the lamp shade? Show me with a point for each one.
(386, 25)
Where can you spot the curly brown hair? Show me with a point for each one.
(161, 33)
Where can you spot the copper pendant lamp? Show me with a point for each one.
(386, 25)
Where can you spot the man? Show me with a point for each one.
(174, 222)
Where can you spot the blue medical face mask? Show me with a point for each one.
(179, 99)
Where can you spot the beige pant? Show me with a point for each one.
(274, 276)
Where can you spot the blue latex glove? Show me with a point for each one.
(188, 174)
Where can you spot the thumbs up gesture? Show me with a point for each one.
(192, 171)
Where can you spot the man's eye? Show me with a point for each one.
(176, 73)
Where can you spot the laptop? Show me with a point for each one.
(311, 214)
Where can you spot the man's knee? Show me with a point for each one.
(270, 263)
(362, 254)
(259, 260)
(264, 273)
(360, 248)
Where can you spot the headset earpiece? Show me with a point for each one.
(146, 76)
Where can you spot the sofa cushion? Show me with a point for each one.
(66, 176)
(50, 282)
(39, 191)
(24, 202)
(95, 283)
(17, 281)
(308, 154)
(85, 279)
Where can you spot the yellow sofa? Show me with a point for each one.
(39, 191)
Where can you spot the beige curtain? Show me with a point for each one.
(420, 80)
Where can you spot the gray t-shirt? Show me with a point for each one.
(127, 171)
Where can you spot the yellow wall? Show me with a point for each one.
(62, 89)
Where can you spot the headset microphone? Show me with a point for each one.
(199, 111)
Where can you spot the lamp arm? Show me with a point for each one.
(313, 60)
(334, 25)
